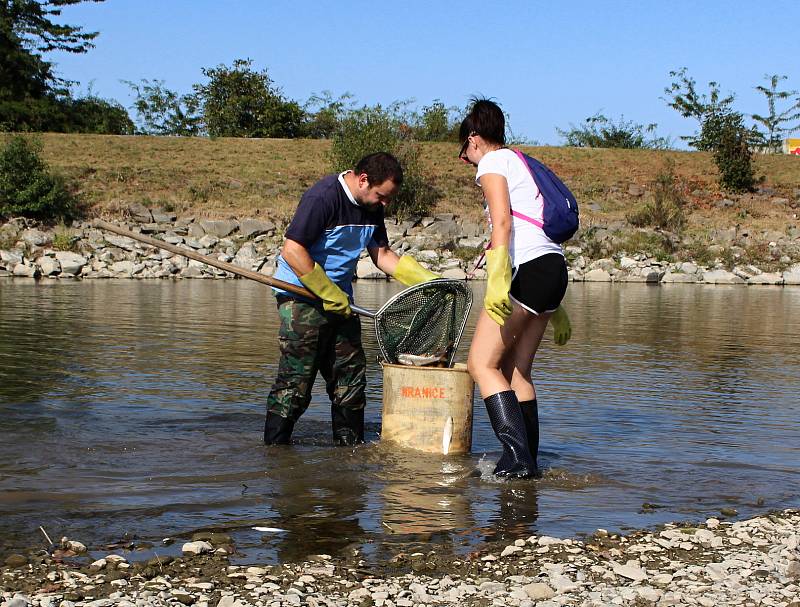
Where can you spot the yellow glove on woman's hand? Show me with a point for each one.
(496, 301)
(562, 328)
(333, 298)
(410, 272)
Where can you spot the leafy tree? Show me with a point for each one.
(29, 90)
(91, 114)
(378, 129)
(161, 111)
(27, 187)
(684, 97)
(323, 114)
(436, 123)
(240, 102)
(598, 131)
(777, 124)
(732, 151)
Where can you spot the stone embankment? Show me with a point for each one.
(444, 243)
(752, 562)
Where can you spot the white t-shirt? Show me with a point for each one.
(528, 241)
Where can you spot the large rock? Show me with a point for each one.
(71, 263)
(367, 270)
(125, 268)
(196, 547)
(121, 242)
(36, 238)
(792, 275)
(10, 258)
(247, 256)
(23, 270)
(251, 228)
(140, 213)
(597, 275)
(219, 228)
(722, 277)
(677, 277)
(539, 591)
(772, 278)
(446, 229)
(161, 216)
(630, 571)
(193, 272)
(49, 266)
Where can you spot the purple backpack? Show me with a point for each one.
(560, 207)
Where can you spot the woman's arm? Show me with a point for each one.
(495, 190)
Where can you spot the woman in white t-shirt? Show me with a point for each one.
(527, 279)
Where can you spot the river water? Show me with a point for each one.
(135, 410)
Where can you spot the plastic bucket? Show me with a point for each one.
(428, 408)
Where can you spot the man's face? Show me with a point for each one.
(376, 195)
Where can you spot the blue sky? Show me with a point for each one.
(549, 64)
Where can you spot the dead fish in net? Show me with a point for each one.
(423, 360)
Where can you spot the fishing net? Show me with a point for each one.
(422, 325)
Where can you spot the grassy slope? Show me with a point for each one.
(245, 177)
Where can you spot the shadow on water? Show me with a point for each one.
(135, 409)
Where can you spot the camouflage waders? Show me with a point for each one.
(312, 340)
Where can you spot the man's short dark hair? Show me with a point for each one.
(486, 119)
(379, 167)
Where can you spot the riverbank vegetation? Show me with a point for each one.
(242, 177)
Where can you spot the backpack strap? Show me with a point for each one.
(535, 222)
(517, 214)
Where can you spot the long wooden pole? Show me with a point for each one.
(228, 267)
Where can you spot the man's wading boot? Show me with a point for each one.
(277, 430)
(509, 427)
(530, 414)
(348, 426)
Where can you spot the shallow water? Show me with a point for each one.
(135, 409)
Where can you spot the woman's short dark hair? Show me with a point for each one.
(379, 167)
(486, 119)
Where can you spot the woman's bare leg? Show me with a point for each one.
(517, 362)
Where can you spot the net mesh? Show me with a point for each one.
(423, 324)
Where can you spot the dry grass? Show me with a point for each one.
(248, 177)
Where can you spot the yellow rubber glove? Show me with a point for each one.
(496, 301)
(333, 298)
(410, 272)
(562, 328)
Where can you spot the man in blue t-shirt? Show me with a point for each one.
(337, 218)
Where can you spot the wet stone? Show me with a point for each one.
(16, 560)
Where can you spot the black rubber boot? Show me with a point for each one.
(348, 426)
(509, 427)
(530, 414)
(277, 430)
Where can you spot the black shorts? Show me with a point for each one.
(539, 285)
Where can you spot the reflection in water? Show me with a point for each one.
(137, 408)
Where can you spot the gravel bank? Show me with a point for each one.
(752, 562)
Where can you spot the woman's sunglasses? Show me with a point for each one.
(462, 155)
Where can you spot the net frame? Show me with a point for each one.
(402, 322)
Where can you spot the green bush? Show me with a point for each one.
(665, 210)
(732, 153)
(27, 187)
(376, 129)
(598, 131)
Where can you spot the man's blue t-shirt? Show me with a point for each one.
(334, 230)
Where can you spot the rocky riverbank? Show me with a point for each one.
(445, 243)
(752, 562)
